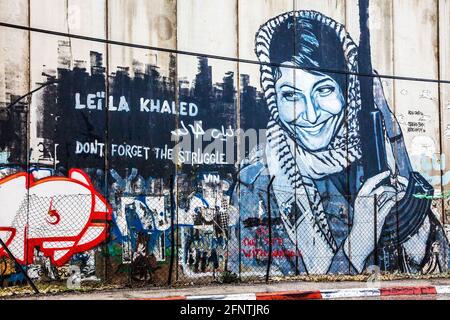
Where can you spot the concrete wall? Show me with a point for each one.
(107, 109)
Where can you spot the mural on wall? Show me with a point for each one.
(139, 216)
(316, 153)
(135, 129)
(205, 217)
(61, 216)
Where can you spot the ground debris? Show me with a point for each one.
(53, 289)
(60, 288)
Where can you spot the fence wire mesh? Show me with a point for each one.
(179, 238)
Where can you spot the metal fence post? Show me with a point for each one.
(399, 251)
(269, 212)
(17, 264)
(375, 223)
(130, 251)
(172, 230)
(349, 227)
(177, 244)
(239, 232)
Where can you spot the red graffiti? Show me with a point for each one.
(253, 242)
(62, 216)
(261, 231)
(53, 214)
(277, 254)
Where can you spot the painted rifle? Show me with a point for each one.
(409, 213)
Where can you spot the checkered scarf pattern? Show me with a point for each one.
(295, 166)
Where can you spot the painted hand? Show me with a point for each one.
(387, 196)
(317, 255)
(363, 230)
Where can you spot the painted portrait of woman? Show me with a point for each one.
(322, 204)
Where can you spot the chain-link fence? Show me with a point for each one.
(293, 234)
(182, 238)
(48, 234)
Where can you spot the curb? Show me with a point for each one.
(322, 294)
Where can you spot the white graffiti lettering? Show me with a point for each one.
(155, 105)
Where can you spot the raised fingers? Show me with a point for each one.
(373, 182)
(403, 182)
(384, 190)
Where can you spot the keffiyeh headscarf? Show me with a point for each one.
(287, 161)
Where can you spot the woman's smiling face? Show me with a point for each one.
(310, 105)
